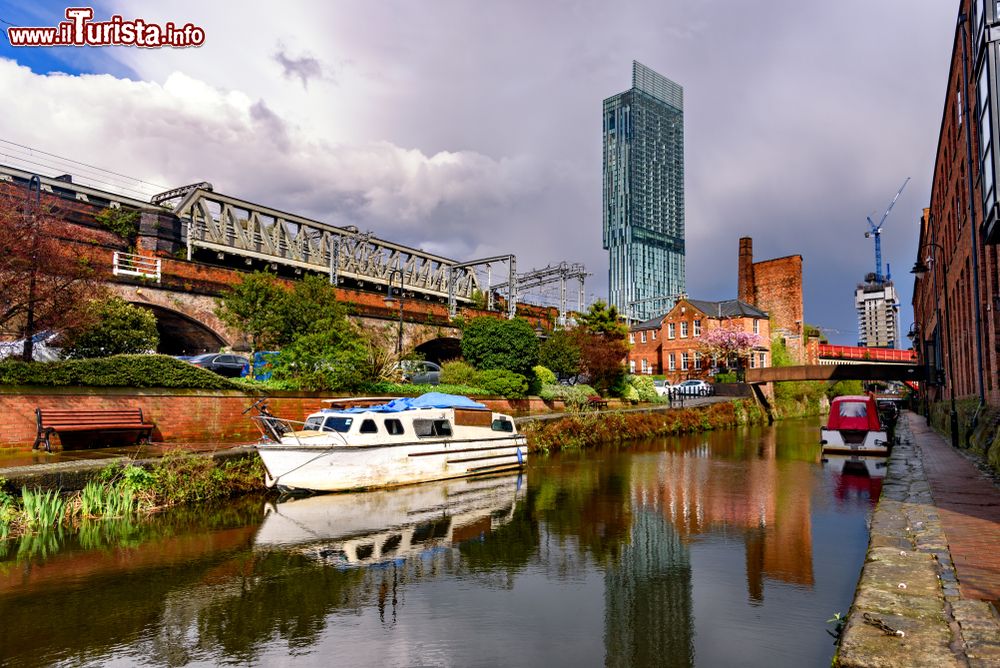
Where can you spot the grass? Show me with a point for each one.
(123, 491)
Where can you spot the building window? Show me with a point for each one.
(643, 335)
(684, 329)
(756, 326)
(654, 334)
(684, 361)
(672, 362)
(671, 331)
(697, 327)
(631, 337)
(631, 366)
(697, 360)
(644, 366)
(763, 360)
(753, 361)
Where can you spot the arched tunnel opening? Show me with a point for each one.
(440, 350)
(182, 335)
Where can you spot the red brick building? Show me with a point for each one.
(670, 345)
(956, 295)
(775, 287)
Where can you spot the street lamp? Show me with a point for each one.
(388, 302)
(919, 269)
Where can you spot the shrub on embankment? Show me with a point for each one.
(115, 371)
(123, 489)
(590, 429)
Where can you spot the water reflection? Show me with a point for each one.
(856, 477)
(725, 548)
(378, 527)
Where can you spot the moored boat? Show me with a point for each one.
(404, 441)
(853, 427)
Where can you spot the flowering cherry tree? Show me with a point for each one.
(725, 343)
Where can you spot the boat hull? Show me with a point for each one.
(871, 443)
(325, 467)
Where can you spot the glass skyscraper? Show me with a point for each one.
(644, 194)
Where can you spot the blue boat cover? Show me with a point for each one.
(427, 400)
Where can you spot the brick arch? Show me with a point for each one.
(440, 349)
(187, 323)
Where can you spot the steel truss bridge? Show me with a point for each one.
(227, 225)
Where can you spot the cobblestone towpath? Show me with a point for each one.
(931, 581)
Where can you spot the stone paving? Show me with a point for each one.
(925, 590)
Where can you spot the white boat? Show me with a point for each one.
(366, 528)
(854, 428)
(405, 441)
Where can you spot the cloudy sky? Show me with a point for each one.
(474, 128)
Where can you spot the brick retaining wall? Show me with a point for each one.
(179, 415)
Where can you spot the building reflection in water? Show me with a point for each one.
(721, 486)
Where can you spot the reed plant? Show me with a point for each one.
(42, 509)
(103, 500)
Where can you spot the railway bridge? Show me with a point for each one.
(191, 244)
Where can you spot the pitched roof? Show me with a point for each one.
(729, 308)
(654, 323)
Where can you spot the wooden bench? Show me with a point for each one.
(52, 421)
(597, 402)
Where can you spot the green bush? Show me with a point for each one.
(491, 343)
(543, 376)
(503, 382)
(575, 396)
(458, 373)
(115, 371)
(113, 327)
(644, 388)
(727, 377)
(411, 390)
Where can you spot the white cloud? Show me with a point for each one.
(187, 130)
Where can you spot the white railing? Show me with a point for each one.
(129, 264)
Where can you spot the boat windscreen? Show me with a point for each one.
(853, 409)
(338, 424)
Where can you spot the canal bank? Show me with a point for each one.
(931, 579)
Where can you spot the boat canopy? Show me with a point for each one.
(428, 400)
(855, 413)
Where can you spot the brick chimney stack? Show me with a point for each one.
(746, 290)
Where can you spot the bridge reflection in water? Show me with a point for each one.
(720, 549)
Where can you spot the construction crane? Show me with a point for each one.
(876, 231)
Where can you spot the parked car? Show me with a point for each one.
(662, 387)
(694, 388)
(420, 372)
(224, 364)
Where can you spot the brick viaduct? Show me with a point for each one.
(184, 297)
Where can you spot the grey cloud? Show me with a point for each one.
(305, 67)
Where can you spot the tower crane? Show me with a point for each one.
(876, 231)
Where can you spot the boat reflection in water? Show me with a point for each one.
(857, 476)
(368, 528)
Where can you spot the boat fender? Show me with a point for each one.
(520, 458)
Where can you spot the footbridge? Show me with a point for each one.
(862, 371)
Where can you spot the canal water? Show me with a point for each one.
(722, 549)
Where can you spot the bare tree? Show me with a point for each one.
(45, 279)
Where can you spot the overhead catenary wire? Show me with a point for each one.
(85, 172)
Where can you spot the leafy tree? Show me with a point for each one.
(332, 356)
(43, 283)
(255, 307)
(561, 354)
(309, 302)
(491, 343)
(114, 327)
(503, 383)
(604, 320)
(601, 357)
